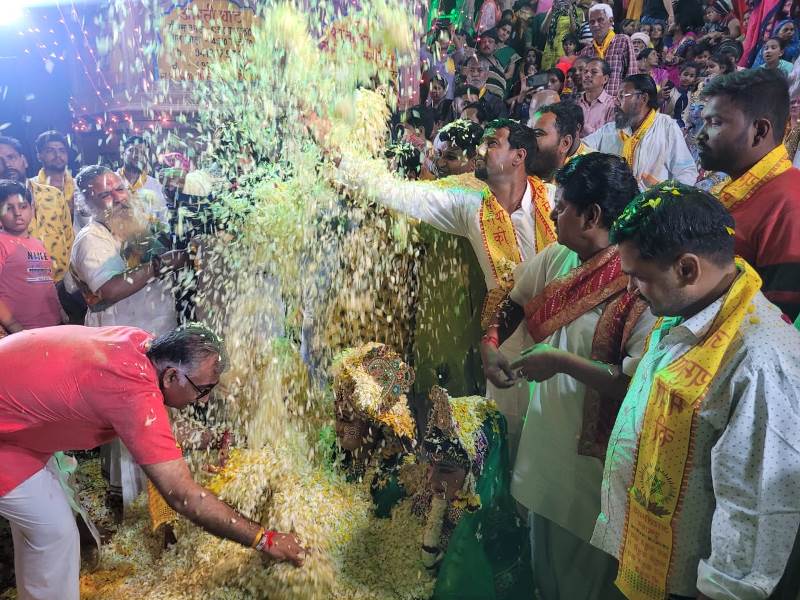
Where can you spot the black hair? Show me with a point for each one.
(133, 141)
(480, 110)
(775, 38)
(187, 346)
(519, 136)
(688, 15)
(604, 66)
(506, 19)
(467, 89)
(9, 187)
(407, 156)
(466, 135)
(644, 84)
(645, 53)
(571, 37)
(626, 22)
(558, 73)
(671, 219)
(50, 136)
(576, 110)
(758, 93)
(87, 175)
(726, 59)
(692, 65)
(420, 116)
(503, 22)
(13, 142)
(566, 122)
(602, 179)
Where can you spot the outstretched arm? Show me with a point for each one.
(186, 497)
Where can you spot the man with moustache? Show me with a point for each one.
(52, 222)
(136, 163)
(125, 281)
(744, 119)
(614, 48)
(52, 150)
(650, 142)
(557, 128)
(505, 221)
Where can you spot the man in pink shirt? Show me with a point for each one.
(74, 388)
(28, 297)
(597, 104)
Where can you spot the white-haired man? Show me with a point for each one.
(614, 48)
(119, 271)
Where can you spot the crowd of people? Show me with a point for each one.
(623, 178)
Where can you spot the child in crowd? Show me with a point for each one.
(629, 27)
(28, 297)
(676, 99)
(570, 45)
(773, 53)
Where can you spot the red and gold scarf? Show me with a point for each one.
(598, 280)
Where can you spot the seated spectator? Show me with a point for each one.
(475, 113)
(436, 61)
(598, 105)
(495, 82)
(28, 297)
(504, 53)
(573, 84)
(438, 102)
(785, 32)
(477, 75)
(675, 100)
(628, 27)
(772, 54)
(640, 40)
(651, 143)
(555, 80)
(648, 63)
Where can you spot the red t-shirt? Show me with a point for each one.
(74, 388)
(768, 237)
(26, 282)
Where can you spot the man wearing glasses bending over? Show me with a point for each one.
(99, 384)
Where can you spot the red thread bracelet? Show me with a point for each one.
(270, 538)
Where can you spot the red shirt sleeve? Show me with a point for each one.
(143, 426)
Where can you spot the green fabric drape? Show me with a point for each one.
(488, 555)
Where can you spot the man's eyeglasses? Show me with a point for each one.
(203, 391)
(622, 96)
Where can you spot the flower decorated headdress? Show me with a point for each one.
(455, 431)
(373, 380)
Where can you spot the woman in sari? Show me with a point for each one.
(505, 53)
(473, 540)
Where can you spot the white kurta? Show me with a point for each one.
(96, 258)
(456, 210)
(550, 477)
(661, 154)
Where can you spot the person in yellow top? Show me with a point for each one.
(52, 150)
(52, 222)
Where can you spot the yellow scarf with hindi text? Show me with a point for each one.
(631, 142)
(600, 50)
(742, 189)
(69, 183)
(500, 241)
(664, 452)
(139, 183)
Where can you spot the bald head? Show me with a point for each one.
(540, 99)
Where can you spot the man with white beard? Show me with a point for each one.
(123, 282)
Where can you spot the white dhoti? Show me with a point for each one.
(47, 555)
(513, 401)
(125, 477)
